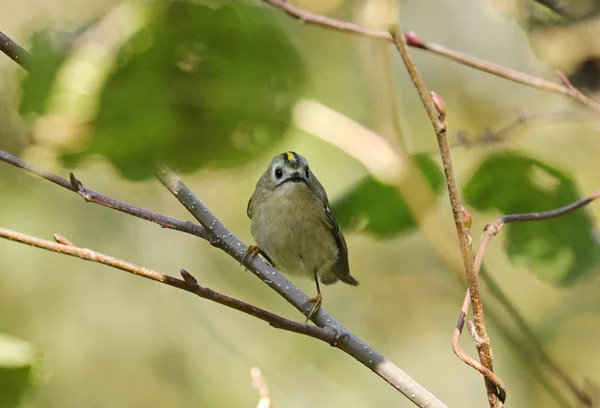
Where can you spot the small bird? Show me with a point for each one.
(293, 226)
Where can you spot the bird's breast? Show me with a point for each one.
(291, 227)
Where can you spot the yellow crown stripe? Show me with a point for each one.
(291, 156)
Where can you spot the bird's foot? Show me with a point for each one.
(318, 301)
(250, 253)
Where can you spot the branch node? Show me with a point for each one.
(62, 240)
(77, 187)
(440, 105)
(479, 341)
(413, 39)
(188, 278)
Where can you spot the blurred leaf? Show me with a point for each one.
(16, 361)
(197, 85)
(378, 208)
(560, 250)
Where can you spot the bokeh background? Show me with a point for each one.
(87, 335)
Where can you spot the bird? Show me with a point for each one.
(294, 228)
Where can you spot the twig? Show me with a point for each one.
(435, 108)
(91, 196)
(413, 40)
(346, 340)
(189, 284)
(259, 384)
(489, 232)
(14, 51)
(489, 136)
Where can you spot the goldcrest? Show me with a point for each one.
(293, 226)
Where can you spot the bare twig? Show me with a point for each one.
(14, 50)
(259, 384)
(189, 284)
(490, 231)
(413, 40)
(346, 340)
(435, 109)
(91, 196)
(490, 136)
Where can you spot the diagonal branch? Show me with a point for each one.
(413, 40)
(14, 50)
(346, 341)
(91, 196)
(189, 284)
(435, 108)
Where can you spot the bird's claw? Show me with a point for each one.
(251, 252)
(318, 301)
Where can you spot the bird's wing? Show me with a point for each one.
(249, 208)
(341, 269)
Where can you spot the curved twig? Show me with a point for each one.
(435, 108)
(489, 232)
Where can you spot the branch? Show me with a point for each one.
(413, 40)
(490, 231)
(218, 235)
(346, 340)
(76, 186)
(436, 110)
(14, 51)
(189, 284)
(490, 136)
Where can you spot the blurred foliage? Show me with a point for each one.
(561, 250)
(371, 206)
(189, 89)
(17, 358)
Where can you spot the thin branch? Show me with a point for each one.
(435, 108)
(413, 40)
(346, 340)
(492, 230)
(490, 136)
(14, 51)
(189, 284)
(76, 186)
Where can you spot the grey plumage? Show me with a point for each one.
(293, 224)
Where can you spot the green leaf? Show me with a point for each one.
(378, 208)
(17, 359)
(561, 250)
(195, 85)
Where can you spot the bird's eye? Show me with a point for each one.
(278, 173)
(307, 173)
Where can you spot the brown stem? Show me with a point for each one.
(413, 40)
(189, 284)
(91, 196)
(435, 110)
